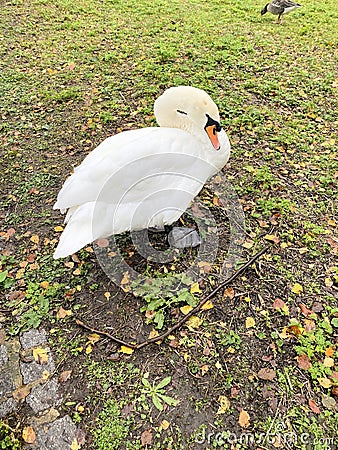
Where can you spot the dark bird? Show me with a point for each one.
(280, 7)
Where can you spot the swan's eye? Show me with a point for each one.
(182, 112)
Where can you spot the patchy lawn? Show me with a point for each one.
(261, 362)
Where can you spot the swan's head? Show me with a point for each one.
(189, 109)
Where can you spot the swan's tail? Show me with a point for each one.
(78, 232)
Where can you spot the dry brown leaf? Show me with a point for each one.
(305, 310)
(314, 407)
(229, 293)
(278, 303)
(244, 419)
(65, 375)
(304, 362)
(28, 435)
(62, 313)
(103, 243)
(266, 374)
(146, 437)
(22, 392)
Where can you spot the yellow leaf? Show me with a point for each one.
(44, 284)
(77, 271)
(75, 445)
(218, 365)
(250, 322)
(194, 322)
(324, 382)
(62, 313)
(28, 435)
(126, 350)
(186, 309)
(332, 223)
(195, 288)
(153, 333)
(93, 338)
(40, 355)
(80, 408)
(272, 238)
(297, 288)
(107, 295)
(244, 419)
(328, 282)
(208, 305)
(35, 238)
(58, 229)
(225, 404)
(328, 362)
(89, 349)
(165, 424)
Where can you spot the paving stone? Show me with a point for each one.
(58, 435)
(7, 407)
(6, 383)
(33, 371)
(3, 356)
(33, 338)
(44, 396)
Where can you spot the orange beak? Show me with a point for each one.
(213, 136)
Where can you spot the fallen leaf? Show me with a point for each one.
(329, 351)
(295, 329)
(250, 322)
(103, 243)
(194, 322)
(224, 404)
(107, 295)
(328, 362)
(44, 284)
(314, 407)
(248, 244)
(74, 445)
(244, 419)
(204, 369)
(89, 349)
(77, 271)
(305, 310)
(207, 305)
(153, 333)
(62, 313)
(309, 325)
(229, 293)
(165, 424)
(35, 238)
(21, 392)
(28, 435)
(186, 309)
(195, 288)
(93, 338)
(146, 437)
(126, 350)
(65, 375)
(266, 374)
(278, 303)
(297, 288)
(328, 402)
(58, 229)
(40, 355)
(304, 362)
(325, 382)
(328, 282)
(272, 238)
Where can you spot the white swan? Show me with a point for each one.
(147, 177)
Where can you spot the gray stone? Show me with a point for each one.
(3, 356)
(44, 396)
(7, 407)
(33, 371)
(58, 435)
(33, 338)
(6, 383)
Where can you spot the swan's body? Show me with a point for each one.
(147, 177)
(280, 7)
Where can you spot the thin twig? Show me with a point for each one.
(185, 318)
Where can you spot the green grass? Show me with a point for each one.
(73, 73)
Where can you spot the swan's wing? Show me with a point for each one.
(126, 168)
